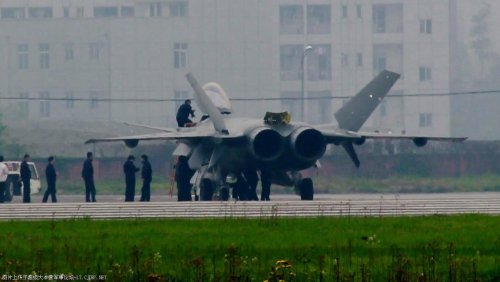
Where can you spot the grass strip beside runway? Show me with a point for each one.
(435, 248)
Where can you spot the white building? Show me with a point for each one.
(86, 52)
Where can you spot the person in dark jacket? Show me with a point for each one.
(130, 169)
(50, 175)
(265, 181)
(183, 176)
(252, 179)
(4, 174)
(25, 178)
(88, 177)
(147, 177)
(183, 114)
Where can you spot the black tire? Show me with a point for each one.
(306, 189)
(224, 193)
(206, 190)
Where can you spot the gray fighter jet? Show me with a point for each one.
(221, 148)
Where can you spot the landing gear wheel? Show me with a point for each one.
(206, 190)
(306, 189)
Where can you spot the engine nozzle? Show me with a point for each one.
(265, 144)
(307, 143)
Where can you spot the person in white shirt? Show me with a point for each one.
(4, 172)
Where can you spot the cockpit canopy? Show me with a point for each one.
(218, 97)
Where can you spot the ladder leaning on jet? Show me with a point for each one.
(221, 146)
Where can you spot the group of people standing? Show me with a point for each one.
(130, 170)
(25, 178)
(245, 187)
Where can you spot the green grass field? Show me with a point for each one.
(436, 248)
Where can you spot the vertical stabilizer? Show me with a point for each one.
(357, 110)
(206, 105)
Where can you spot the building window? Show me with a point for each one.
(426, 26)
(345, 14)
(291, 19)
(320, 108)
(80, 12)
(178, 9)
(359, 59)
(388, 18)
(291, 102)
(344, 60)
(425, 74)
(24, 104)
(94, 99)
(69, 53)
(66, 12)
(319, 63)
(425, 120)
(94, 50)
(22, 56)
(180, 55)
(44, 104)
(359, 11)
(290, 56)
(127, 11)
(155, 9)
(388, 56)
(13, 13)
(318, 19)
(105, 12)
(40, 12)
(44, 55)
(70, 100)
(379, 64)
(379, 19)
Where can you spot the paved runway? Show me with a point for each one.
(111, 207)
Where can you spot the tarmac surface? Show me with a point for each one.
(161, 206)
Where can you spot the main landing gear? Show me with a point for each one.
(241, 189)
(304, 188)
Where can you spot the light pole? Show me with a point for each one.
(304, 53)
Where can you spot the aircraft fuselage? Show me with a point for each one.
(284, 147)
